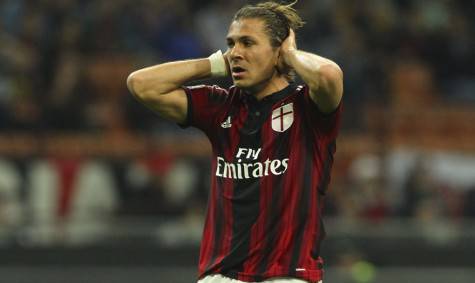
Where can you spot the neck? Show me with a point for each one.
(266, 88)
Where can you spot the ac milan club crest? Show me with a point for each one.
(283, 117)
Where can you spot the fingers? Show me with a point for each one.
(292, 38)
(291, 33)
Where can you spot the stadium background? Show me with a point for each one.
(96, 188)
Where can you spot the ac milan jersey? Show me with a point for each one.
(270, 169)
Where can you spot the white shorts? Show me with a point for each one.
(218, 278)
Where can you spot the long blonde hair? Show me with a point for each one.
(278, 19)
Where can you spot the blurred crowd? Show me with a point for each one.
(64, 64)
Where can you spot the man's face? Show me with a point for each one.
(251, 57)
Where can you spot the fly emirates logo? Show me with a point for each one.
(247, 170)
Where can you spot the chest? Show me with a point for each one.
(252, 132)
(257, 120)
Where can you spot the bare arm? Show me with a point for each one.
(159, 87)
(323, 76)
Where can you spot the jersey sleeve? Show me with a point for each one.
(204, 105)
(327, 124)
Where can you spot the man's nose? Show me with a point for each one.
(236, 52)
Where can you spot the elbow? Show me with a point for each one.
(325, 77)
(332, 79)
(332, 73)
(143, 89)
(133, 83)
(138, 87)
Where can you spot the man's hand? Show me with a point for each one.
(288, 46)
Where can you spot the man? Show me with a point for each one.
(273, 144)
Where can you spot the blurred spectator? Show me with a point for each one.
(422, 199)
(412, 85)
(59, 43)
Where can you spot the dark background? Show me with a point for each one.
(96, 188)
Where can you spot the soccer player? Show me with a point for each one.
(272, 141)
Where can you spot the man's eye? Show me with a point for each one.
(230, 44)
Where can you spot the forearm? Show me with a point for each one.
(167, 77)
(311, 68)
(323, 76)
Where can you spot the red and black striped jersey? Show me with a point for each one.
(270, 169)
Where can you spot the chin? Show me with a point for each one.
(241, 84)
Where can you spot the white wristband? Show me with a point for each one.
(218, 64)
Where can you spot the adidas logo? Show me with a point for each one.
(226, 124)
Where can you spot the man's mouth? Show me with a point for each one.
(237, 71)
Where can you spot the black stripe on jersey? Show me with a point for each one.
(272, 226)
(245, 205)
(189, 111)
(321, 235)
(327, 166)
(322, 187)
(275, 211)
(304, 200)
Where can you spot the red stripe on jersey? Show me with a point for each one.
(292, 183)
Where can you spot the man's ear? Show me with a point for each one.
(279, 64)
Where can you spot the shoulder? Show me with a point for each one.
(302, 88)
(301, 92)
(213, 89)
(212, 93)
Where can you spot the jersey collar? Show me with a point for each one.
(270, 99)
